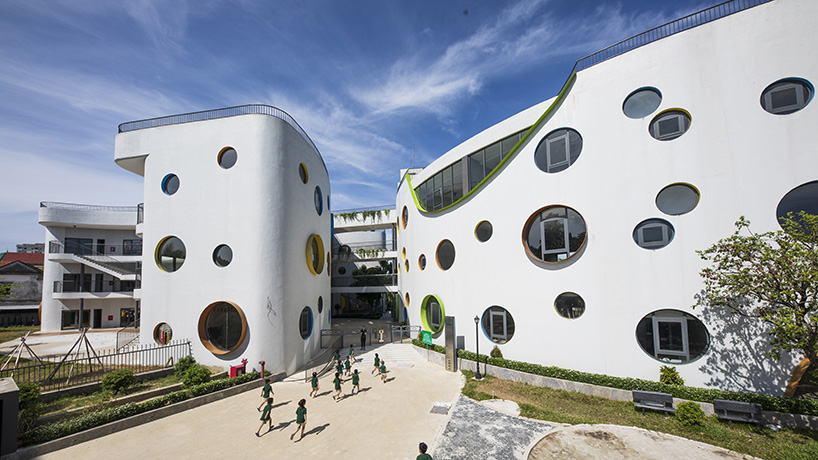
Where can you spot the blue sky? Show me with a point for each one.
(367, 80)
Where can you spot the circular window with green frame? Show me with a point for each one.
(432, 314)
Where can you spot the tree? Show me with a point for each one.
(771, 276)
(5, 289)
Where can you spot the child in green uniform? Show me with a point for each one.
(300, 418)
(382, 371)
(266, 417)
(377, 363)
(314, 382)
(347, 367)
(423, 455)
(351, 353)
(336, 357)
(339, 368)
(356, 379)
(337, 382)
(266, 391)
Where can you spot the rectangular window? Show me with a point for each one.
(476, 169)
(554, 234)
(556, 151)
(79, 246)
(457, 181)
(131, 247)
(435, 320)
(498, 326)
(447, 186)
(493, 156)
(509, 143)
(652, 235)
(670, 338)
(670, 126)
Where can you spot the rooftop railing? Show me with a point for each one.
(86, 207)
(258, 109)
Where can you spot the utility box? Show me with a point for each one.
(451, 348)
(9, 407)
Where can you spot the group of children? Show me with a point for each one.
(342, 369)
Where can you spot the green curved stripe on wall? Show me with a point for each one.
(512, 153)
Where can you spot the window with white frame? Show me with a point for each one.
(653, 233)
(669, 125)
(558, 150)
(498, 324)
(555, 233)
(786, 96)
(672, 336)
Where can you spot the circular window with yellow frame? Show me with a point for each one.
(315, 254)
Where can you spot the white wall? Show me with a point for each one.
(742, 159)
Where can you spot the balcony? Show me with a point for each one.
(90, 290)
(373, 250)
(388, 279)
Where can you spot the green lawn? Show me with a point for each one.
(574, 408)
(12, 333)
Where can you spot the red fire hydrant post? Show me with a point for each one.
(236, 371)
(262, 368)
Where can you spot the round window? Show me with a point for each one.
(170, 184)
(320, 304)
(162, 333)
(642, 102)
(483, 231)
(406, 296)
(315, 254)
(222, 327)
(305, 323)
(653, 233)
(422, 262)
(432, 314)
(558, 150)
(403, 253)
(302, 173)
(342, 270)
(498, 324)
(672, 336)
(406, 263)
(445, 254)
(228, 157)
(669, 125)
(554, 233)
(802, 198)
(787, 96)
(569, 305)
(170, 254)
(677, 199)
(405, 216)
(222, 255)
(319, 200)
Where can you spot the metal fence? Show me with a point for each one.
(340, 332)
(404, 332)
(58, 372)
(85, 207)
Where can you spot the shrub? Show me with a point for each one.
(30, 406)
(118, 381)
(670, 376)
(29, 394)
(496, 353)
(689, 413)
(182, 365)
(195, 375)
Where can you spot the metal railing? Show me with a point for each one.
(257, 109)
(54, 373)
(657, 33)
(404, 332)
(128, 336)
(90, 286)
(389, 279)
(382, 207)
(340, 332)
(140, 213)
(85, 207)
(134, 248)
(353, 248)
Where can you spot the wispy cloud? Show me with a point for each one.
(164, 23)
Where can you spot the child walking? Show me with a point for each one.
(300, 418)
(351, 353)
(377, 363)
(382, 371)
(337, 382)
(266, 417)
(347, 366)
(356, 379)
(266, 391)
(314, 383)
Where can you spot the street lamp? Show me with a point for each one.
(477, 375)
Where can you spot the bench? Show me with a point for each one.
(738, 411)
(653, 400)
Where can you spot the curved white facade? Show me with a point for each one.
(740, 158)
(260, 208)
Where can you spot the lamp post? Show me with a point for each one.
(477, 375)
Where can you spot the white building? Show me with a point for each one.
(237, 233)
(91, 266)
(570, 229)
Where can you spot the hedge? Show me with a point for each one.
(94, 419)
(769, 403)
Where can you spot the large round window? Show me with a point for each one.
(642, 102)
(305, 323)
(483, 231)
(162, 333)
(222, 327)
(669, 125)
(170, 254)
(802, 198)
(445, 254)
(170, 184)
(498, 324)
(558, 150)
(315, 254)
(432, 314)
(319, 200)
(228, 157)
(222, 255)
(569, 305)
(786, 96)
(554, 233)
(653, 233)
(677, 199)
(672, 336)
